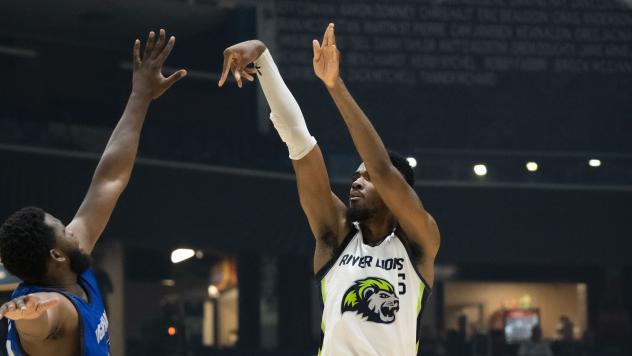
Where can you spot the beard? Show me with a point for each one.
(356, 213)
(79, 260)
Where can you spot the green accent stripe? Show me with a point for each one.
(323, 292)
(422, 288)
(417, 348)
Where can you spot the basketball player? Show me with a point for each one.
(58, 309)
(374, 257)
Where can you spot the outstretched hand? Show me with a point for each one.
(238, 57)
(27, 307)
(327, 58)
(148, 79)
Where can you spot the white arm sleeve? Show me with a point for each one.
(286, 115)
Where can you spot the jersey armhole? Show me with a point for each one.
(412, 258)
(16, 344)
(336, 254)
(427, 286)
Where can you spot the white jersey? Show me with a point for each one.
(373, 298)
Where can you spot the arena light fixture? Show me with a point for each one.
(594, 162)
(181, 254)
(213, 291)
(412, 161)
(532, 166)
(480, 170)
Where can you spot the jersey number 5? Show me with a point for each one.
(402, 283)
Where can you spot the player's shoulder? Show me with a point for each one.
(66, 307)
(332, 238)
(346, 229)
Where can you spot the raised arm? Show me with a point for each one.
(324, 210)
(401, 199)
(115, 167)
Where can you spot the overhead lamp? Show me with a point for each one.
(181, 254)
(480, 170)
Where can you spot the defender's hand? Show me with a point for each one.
(238, 57)
(27, 307)
(148, 79)
(327, 58)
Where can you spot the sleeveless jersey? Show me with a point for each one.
(373, 298)
(93, 321)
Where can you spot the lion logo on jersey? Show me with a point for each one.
(373, 298)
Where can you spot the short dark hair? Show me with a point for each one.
(402, 165)
(25, 242)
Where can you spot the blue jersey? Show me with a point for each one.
(93, 321)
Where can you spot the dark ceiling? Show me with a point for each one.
(105, 24)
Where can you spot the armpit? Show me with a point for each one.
(57, 332)
(329, 239)
(415, 251)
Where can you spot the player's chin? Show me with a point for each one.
(356, 207)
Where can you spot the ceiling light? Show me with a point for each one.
(480, 170)
(181, 254)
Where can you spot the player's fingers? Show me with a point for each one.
(247, 75)
(167, 50)
(332, 36)
(237, 77)
(30, 303)
(336, 54)
(228, 57)
(136, 57)
(11, 306)
(20, 304)
(47, 304)
(324, 42)
(161, 42)
(13, 314)
(149, 45)
(10, 309)
(173, 78)
(3, 309)
(317, 50)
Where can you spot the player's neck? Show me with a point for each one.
(376, 228)
(63, 281)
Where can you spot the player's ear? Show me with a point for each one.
(57, 255)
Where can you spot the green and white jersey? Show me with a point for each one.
(373, 298)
